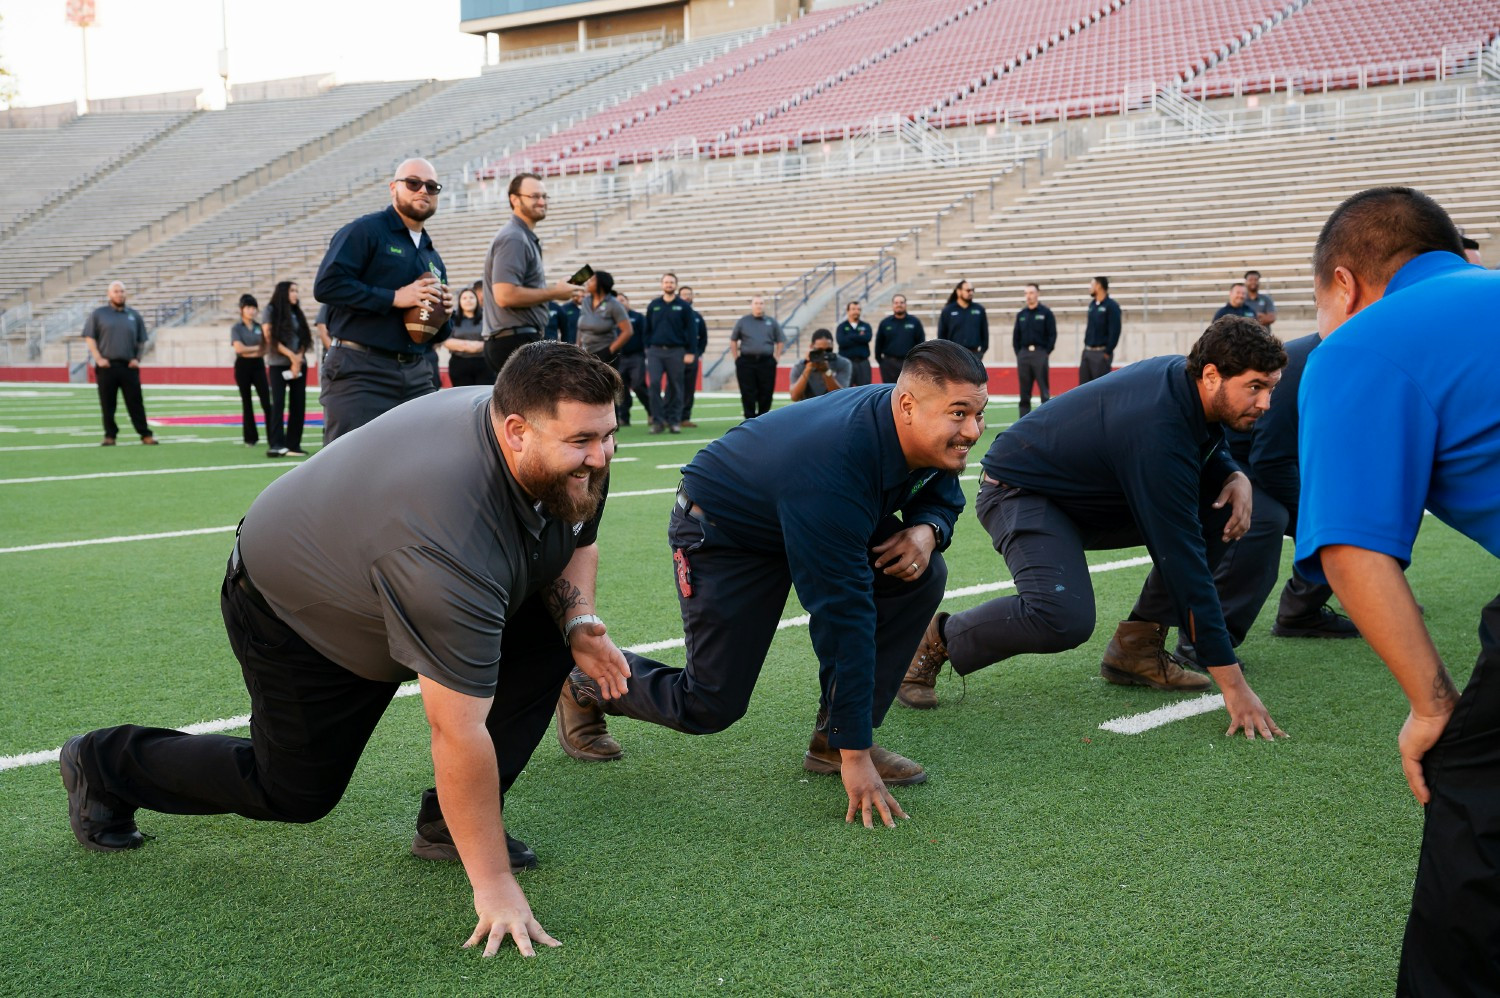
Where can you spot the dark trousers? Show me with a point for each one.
(497, 349)
(1053, 608)
(632, 368)
(250, 373)
(861, 371)
(1031, 367)
(757, 378)
(890, 369)
(309, 722)
(665, 362)
(466, 371)
(689, 387)
(115, 379)
(1452, 944)
(288, 400)
(1093, 364)
(731, 618)
(356, 387)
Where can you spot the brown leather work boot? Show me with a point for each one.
(919, 688)
(1137, 656)
(895, 770)
(580, 722)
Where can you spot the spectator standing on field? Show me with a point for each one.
(116, 335)
(756, 343)
(1101, 335)
(248, 340)
(963, 320)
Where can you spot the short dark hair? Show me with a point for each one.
(944, 362)
(1469, 244)
(516, 181)
(666, 274)
(1103, 282)
(820, 334)
(1374, 232)
(1235, 344)
(1249, 272)
(539, 375)
(477, 287)
(248, 301)
(604, 281)
(850, 304)
(1032, 284)
(683, 287)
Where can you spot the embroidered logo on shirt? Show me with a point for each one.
(397, 250)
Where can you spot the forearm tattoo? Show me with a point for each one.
(563, 599)
(1443, 690)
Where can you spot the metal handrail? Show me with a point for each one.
(806, 285)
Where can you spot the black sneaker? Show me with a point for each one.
(433, 840)
(276, 452)
(1188, 655)
(96, 825)
(1325, 624)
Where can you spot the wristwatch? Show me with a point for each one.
(576, 622)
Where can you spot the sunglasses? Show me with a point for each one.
(415, 184)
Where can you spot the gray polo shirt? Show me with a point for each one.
(756, 337)
(515, 257)
(598, 327)
(1261, 303)
(842, 369)
(120, 333)
(250, 335)
(399, 550)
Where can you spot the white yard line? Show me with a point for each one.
(1184, 709)
(1134, 724)
(263, 466)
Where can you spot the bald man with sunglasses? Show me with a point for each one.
(377, 267)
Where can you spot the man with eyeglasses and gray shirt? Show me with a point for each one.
(515, 285)
(377, 267)
(115, 335)
(756, 343)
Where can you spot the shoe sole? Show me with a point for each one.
(813, 764)
(71, 768)
(914, 705)
(578, 753)
(1122, 678)
(1310, 632)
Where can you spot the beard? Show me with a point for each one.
(1229, 416)
(411, 211)
(554, 491)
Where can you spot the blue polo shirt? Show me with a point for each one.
(671, 324)
(1392, 423)
(1227, 309)
(968, 327)
(367, 260)
(637, 341)
(854, 339)
(895, 337)
(758, 487)
(1103, 328)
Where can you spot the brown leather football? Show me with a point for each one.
(424, 321)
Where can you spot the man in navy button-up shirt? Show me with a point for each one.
(808, 497)
(377, 267)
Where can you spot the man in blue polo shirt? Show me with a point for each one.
(755, 517)
(376, 267)
(964, 321)
(1389, 429)
(1101, 333)
(671, 333)
(854, 336)
(1238, 303)
(894, 339)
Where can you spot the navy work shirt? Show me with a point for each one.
(758, 487)
(1272, 460)
(671, 324)
(895, 337)
(1227, 309)
(1035, 327)
(854, 339)
(637, 341)
(367, 260)
(1134, 446)
(1103, 329)
(968, 326)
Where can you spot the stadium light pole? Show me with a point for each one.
(224, 47)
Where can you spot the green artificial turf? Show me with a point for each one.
(1043, 857)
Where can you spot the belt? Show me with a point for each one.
(512, 331)
(1105, 349)
(398, 356)
(241, 578)
(687, 505)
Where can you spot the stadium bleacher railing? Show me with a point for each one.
(659, 38)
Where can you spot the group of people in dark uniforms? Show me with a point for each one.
(486, 592)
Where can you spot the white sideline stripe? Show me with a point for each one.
(1185, 709)
(1134, 724)
(54, 545)
(156, 471)
(95, 444)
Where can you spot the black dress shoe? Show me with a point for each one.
(434, 841)
(96, 824)
(1188, 656)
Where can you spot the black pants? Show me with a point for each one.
(250, 374)
(1452, 944)
(730, 620)
(689, 387)
(114, 380)
(665, 362)
(289, 401)
(310, 720)
(1031, 367)
(1093, 364)
(861, 371)
(890, 369)
(465, 370)
(497, 349)
(757, 378)
(632, 368)
(357, 386)
(1053, 608)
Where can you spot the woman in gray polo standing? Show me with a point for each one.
(248, 341)
(603, 324)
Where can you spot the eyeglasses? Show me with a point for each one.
(534, 197)
(415, 184)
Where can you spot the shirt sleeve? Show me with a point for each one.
(340, 277)
(1015, 333)
(984, 331)
(942, 331)
(508, 262)
(141, 336)
(1114, 327)
(939, 503)
(1365, 467)
(91, 327)
(1049, 333)
(442, 620)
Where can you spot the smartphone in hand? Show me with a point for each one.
(583, 274)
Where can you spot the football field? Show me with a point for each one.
(1044, 856)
